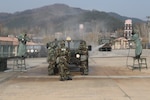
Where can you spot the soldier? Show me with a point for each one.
(62, 62)
(51, 58)
(137, 41)
(84, 59)
(23, 39)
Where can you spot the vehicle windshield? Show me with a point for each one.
(72, 44)
(34, 47)
(105, 40)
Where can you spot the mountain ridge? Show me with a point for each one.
(59, 17)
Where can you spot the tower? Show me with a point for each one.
(127, 28)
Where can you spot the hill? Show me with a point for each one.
(61, 18)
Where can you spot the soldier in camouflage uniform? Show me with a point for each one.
(84, 58)
(51, 58)
(62, 62)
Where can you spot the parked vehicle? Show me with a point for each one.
(36, 51)
(107, 44)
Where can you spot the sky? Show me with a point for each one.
(130, 8)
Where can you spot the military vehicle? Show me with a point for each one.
(75, 56)
(36, 51)
(106, 42)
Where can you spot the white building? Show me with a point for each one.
(120, 43)
(127, 28)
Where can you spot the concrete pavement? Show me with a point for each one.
(112, 64)
(30, 63)
(114, 82)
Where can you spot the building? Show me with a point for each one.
(9, 46)
(127, 28)
(120, 43)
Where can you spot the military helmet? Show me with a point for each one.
(62, 43)
(50, 45)
(54, 45)
(82, 43)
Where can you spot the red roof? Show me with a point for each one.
(15, 40)
(10, 39)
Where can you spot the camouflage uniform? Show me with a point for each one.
(51, 58)
(84, 58)
(62, 63)
(22, 45)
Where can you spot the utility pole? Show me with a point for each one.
(148, 27)
(81, 29)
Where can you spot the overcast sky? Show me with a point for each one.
(130, 8)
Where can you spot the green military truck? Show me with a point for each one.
(107, 44)
(77, 57)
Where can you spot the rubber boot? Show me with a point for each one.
(62, 79)
(50, 71)
(68, 78)
(84, 72)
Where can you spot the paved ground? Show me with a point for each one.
(77, 89)
(109, 79)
